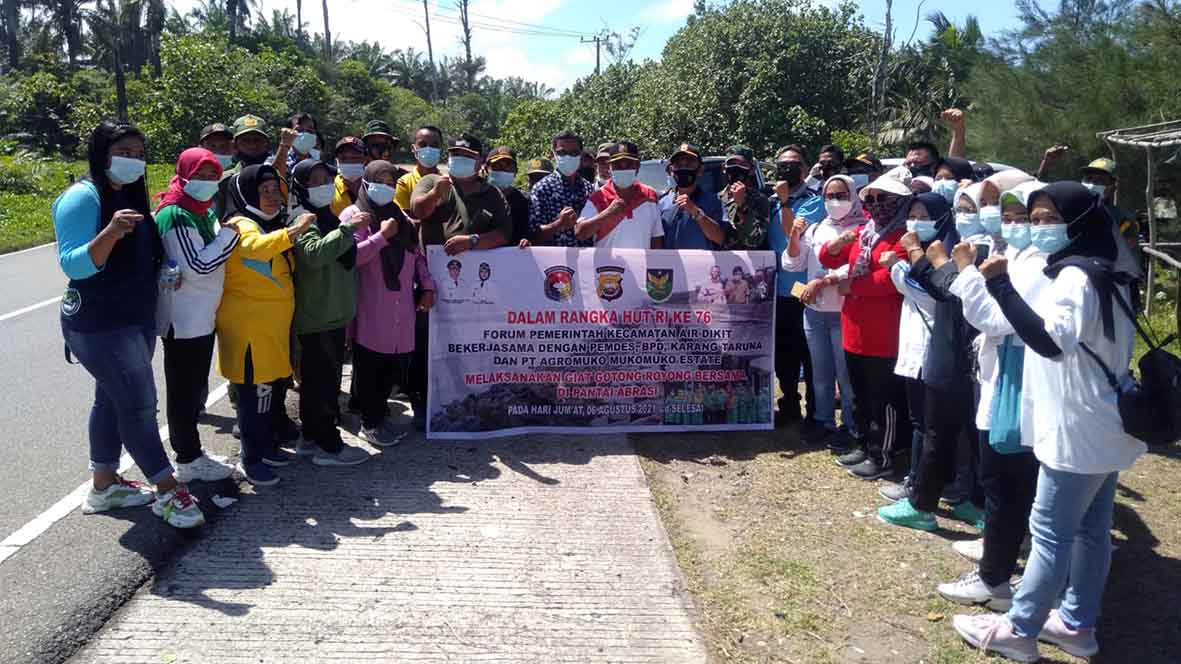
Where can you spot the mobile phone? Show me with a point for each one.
(982, 251)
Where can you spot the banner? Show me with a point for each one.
(555, 339)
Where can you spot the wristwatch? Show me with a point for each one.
(474, 240)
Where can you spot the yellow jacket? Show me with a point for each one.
(257, 306)
(342, 198)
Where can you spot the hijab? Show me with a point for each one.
(244, 189)
(187, 165)
(1092, 246)
(326, 221)
(940, 212)
(960, 168)
(393, 255)
(972, 193)
(1007, 180)
(856, 214)
(1022, 193)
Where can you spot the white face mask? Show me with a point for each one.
(260, 214)
(379, 194)
(350, 171)
(624, 178)
(124, 170)
(321, 196)
(1096, 188)
(201, 190)
(838, 210)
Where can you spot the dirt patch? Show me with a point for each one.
(787, 561)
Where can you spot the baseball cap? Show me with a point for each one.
(623, 150)
(864, 160)
(350, 142)
(465, 143)
(541, 165)
(686, 149)
(378, 128)
(604, 151)
(1101, 165)
(249, 123)
(501, 153)
(215, 128)
(740, 155)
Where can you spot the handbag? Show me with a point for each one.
(1005, 435)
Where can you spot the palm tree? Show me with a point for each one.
(67, 17)
(377, 62)
(106, 25)
(327, 34)
(12, 17)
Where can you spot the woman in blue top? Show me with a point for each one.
(109, 248)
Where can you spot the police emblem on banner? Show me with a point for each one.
(559, 283)
(609, 283)
(659, 284)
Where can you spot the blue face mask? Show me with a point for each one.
(304, 142)
(461, 167)
(428, 156)
(567, 164)
(501, 179)
(860, 180)
(946, 189)
(350, 171)
(967, 224)
(924, 228)
(1017, 235)
(124, 170)
(990, 219)
(201, 190)
(1049, 238)
(226, 160)
(624, 178)
(321, 196)
(379, 194)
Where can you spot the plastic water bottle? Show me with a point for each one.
(170, 276)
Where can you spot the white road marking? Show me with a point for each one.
(31, 307)
(41, 523)
(25, 251)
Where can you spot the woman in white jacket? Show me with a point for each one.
(200, 246)
(822, 317)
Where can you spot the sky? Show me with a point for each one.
(552, 53)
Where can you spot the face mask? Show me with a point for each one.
(883, 211)
(1017, 235)
(829, 170)
(260, 214)
(1096, 188)
(461, 167)
(321, 196)
(252, 160)
(226, 160)
(990, 219)
(304, 142)
(124, 170)
(967, 224)
(860, 180)
(567, 165)
(588, 173)
(624, 178)
(501, 179)
(924, 228)
(428, 156)
(838, 209)
(201, 190)
(1049, 238)
(379, 194)
(946, 189)
(685, 177)
(734, 175)
(350, 171)
(918, 171)
(314, 154)
(790, 171)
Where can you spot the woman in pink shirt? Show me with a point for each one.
(389, 261)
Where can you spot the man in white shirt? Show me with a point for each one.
(624, 213)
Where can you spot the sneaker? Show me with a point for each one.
(852, 458)
(179, 509)
(258, 474)
(894, 491)
(286, 431)
(992, 632)
(973, 550)
(843, 442)
(969, 514)
(1077, 642)
(971, 590)
(347, 456)
(380, 436)
(205, 468)
(902, 513)
(276, 458)
(121, 493)
(306, 448)
(870, 470)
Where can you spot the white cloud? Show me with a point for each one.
(667, 11)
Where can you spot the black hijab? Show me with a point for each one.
(941, 213)
(1092, 246)
(960, 168)
(244, 190)
(326, 221)
(393, 255)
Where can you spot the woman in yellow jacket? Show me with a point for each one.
(254, 318)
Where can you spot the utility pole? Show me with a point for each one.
(597, 39)
(430, 52)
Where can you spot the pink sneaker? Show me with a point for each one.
(994, 633)
(1077, 642)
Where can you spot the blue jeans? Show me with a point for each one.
(1071, 530)
(822, 329)
(124, 411)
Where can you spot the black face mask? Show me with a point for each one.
(685, 177)
(927, 170)
(252, 160)
(883, 211)
(789, 171)
(736, 175)
(588, 173)
(829, 170)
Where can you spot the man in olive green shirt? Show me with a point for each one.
(460, 210)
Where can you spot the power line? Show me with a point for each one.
(503, 25)
(507, 30)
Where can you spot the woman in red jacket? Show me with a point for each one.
(869, 323)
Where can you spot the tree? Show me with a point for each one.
(107, 23)
(12, 32)
(327, 33)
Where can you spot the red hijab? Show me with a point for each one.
(187, 165)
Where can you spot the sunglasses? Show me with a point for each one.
(880, 198)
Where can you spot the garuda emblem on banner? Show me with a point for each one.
(659, 284)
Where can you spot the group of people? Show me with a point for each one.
(962, 317)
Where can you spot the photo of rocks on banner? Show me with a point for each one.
(597, 340)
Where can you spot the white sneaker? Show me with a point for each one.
(306, 448)
(380, 436)
(973, 550)
(121, 493)
(1077, 642)
(971, 590)
(347, 456)
(205, 468)
(994, 633)
(179, 509)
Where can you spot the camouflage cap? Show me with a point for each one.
(1101, 165)
(250, 123)
(215, 128)
(740, 155)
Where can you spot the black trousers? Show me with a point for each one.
(949, 411)
(1010, 484)
(374, 377)
(186, 374)
(791, 353)
(261, 408)
(877, 418)
(322, 362)
(418, 362)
